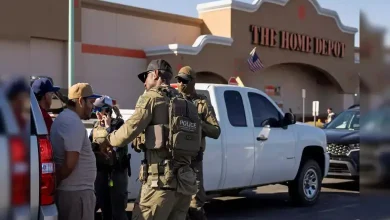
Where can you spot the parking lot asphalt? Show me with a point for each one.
(340, 199)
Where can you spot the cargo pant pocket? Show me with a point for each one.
(186, 181)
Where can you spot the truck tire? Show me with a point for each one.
(305, 189)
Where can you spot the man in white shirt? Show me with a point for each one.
(331, 115)
(73, 155)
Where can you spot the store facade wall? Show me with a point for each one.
(34, 57)
(297, 58)
(113, 43)
(113, 56)
(33, 40)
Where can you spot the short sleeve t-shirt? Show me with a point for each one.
(68, 133)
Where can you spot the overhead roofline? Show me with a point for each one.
(198, 45)
(256, 4)
(140, 12)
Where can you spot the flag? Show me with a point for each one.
(254, 61)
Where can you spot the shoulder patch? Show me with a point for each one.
(142, 101)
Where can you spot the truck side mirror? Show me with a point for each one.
(289, 118)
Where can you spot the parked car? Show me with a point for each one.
(344, 144)
(42, 178)
(375, 154)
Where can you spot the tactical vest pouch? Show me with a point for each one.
(186, 144)
(155, 137)
(185, 128)
(154, 175)
(186, 181)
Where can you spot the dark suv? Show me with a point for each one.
(344, 144)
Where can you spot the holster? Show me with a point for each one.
(143, 172)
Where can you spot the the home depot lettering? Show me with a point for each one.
(296, 42)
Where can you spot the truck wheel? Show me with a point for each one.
(305, 189)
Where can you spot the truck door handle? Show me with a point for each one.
(261, 138)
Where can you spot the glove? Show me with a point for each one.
(137, 144)
(100, 136)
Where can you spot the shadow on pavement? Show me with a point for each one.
(347, 186)
(255, 205)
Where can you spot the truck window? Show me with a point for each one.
(235, 108)
(262, 109)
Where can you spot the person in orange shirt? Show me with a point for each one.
(44, 91)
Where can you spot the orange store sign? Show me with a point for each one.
(296, 42)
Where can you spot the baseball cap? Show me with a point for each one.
(159, 64)
(103, 101)
(42, 86)
(82, 90)
(186, 73)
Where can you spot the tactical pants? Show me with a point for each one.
(158, 204)
(196, 210)
(112, 200)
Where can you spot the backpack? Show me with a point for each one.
(184, 136)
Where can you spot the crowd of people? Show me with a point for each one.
(92, 171)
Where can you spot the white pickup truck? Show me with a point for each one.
(258, 145)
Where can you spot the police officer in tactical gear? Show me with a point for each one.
(186, 79)
(166, 128)
(112, 172)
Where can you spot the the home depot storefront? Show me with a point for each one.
(306, 48)
(301, 45)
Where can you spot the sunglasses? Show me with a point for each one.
(99, 109)
(181, 80)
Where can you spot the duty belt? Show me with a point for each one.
(160, 170)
